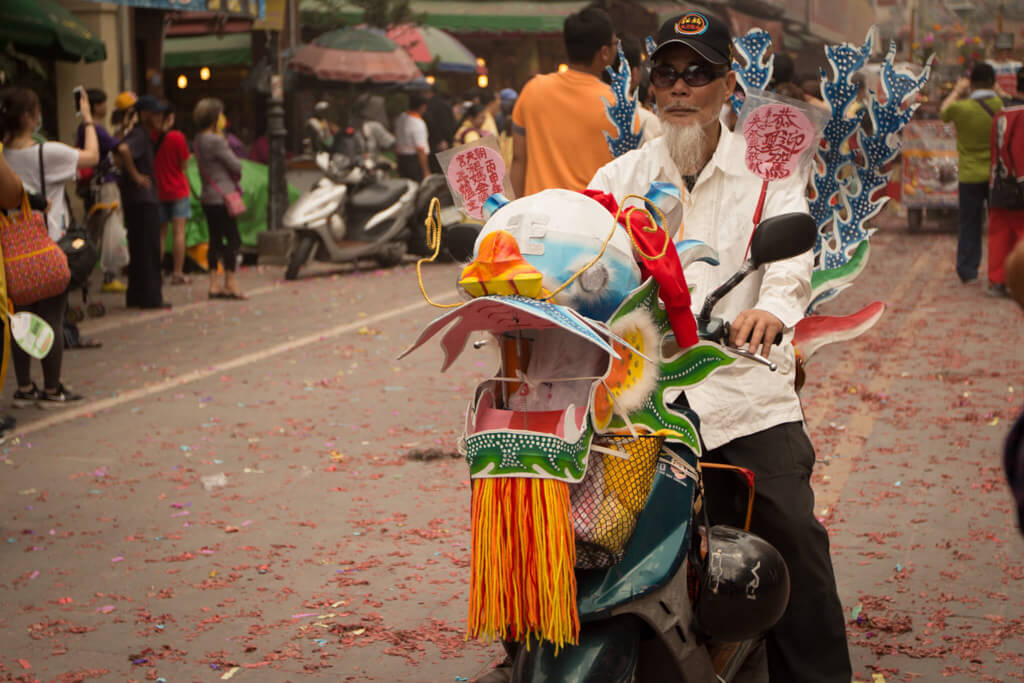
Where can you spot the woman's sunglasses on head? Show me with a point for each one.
(694, 75)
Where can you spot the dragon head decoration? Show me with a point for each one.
(585, 353)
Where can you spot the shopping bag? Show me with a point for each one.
(114, 243)
(34, 266)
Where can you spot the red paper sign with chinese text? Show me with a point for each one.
(776, 135)
(475, 174)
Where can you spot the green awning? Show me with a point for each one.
(228, 49)
(43, 28)
(486, 16)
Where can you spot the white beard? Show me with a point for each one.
(686, 144)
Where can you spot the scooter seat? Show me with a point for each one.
(379, 195)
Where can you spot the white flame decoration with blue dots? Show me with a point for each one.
(622, 112)
(842, 207)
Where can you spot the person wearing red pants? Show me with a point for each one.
(1005, 230)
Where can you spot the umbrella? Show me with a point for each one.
(425, 44)
(355, 55)
(45, 29)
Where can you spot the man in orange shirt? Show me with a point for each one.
(559, 120)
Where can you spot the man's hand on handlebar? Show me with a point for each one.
(753, 328)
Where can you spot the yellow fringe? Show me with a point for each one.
(522, 584)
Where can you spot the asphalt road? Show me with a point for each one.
(259, 491)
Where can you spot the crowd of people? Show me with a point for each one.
(135, 171)
(431, 123)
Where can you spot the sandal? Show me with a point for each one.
(217, 295)
(181, 280)
(237, 296)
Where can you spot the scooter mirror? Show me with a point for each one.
(782, 237)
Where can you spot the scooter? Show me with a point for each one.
(355, 212)
(677, 606)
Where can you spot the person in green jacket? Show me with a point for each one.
(970, 106)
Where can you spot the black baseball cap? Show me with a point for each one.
(150, 103)
(707, 35)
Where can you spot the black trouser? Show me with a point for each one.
(809, 642)
(409, 166)
(972, 216)
(225, 241)
(52, 311)
(142, 224)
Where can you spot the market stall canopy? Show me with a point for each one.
(504, 16)
(355, 55)
(211, 50)
(43, 28)
(435, 49)
(253, 9)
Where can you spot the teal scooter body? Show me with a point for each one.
(644, 593)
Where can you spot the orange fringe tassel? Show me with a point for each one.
(523, 584)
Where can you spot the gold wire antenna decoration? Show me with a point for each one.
(433, 223)
(629, 211)
(434, 231)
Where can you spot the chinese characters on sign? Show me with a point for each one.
(475, 174)
(776, 135)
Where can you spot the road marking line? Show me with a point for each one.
(861, 425)
(144, 317)
(66, 415)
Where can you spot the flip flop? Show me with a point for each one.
(218, 295)
(237, 296)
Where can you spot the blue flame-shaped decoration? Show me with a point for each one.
(622, 112)
(847, 183)
(757, 73)
(845, 200)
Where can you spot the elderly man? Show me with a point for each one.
(750, 417)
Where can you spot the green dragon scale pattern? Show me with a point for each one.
(528, 454)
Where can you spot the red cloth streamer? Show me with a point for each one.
(667, 270)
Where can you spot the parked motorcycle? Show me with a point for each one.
(654, 601)
(356, 212)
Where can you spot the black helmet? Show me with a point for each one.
(745, 587)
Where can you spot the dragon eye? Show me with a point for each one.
(594, 279)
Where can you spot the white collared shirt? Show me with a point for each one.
(745, 397)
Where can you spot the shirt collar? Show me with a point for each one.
(729, 153)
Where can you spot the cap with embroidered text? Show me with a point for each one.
(705, 34)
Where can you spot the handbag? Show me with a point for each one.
(80, 252)
(233, 201)
(34, 266)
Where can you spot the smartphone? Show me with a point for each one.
(78, 94)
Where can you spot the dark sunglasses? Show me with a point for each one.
(694, 75)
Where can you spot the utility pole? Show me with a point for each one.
(277, 195)
(274, 243)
